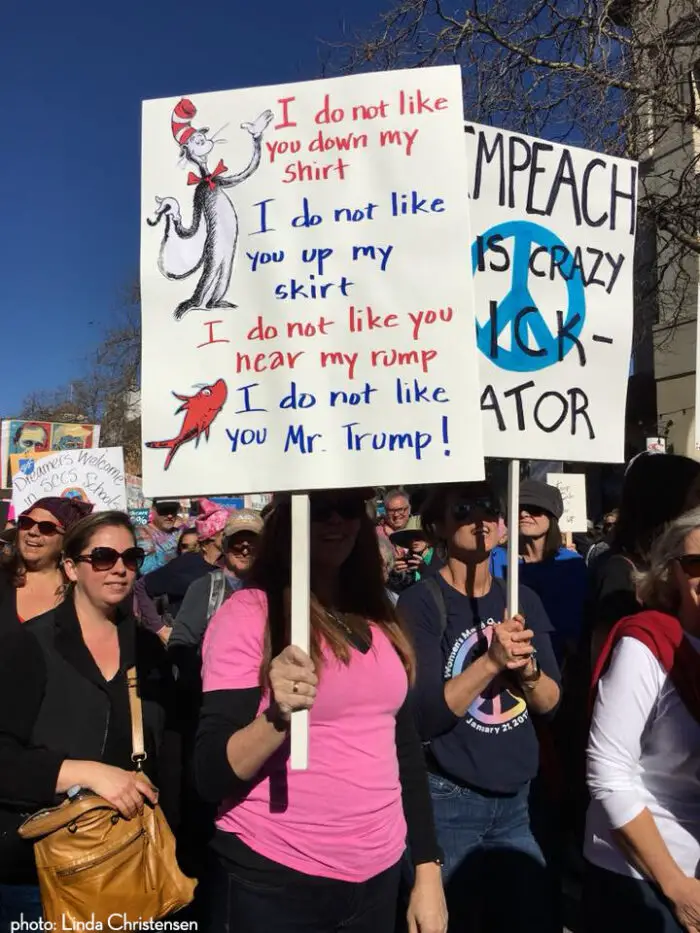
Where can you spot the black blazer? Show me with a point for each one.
(9, 621)
(55, 704)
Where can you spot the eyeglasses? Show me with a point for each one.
(468, 511)
(104, 558)
(47, 529)
(398, 511)
(348, 508)
(690, 564)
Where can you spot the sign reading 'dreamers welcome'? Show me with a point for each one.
(310, 262)
(552, 258)
(95, 475)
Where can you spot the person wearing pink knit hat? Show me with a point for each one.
(210, 525)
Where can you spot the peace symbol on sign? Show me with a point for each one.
(518, 311)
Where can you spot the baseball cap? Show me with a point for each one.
(243, 520)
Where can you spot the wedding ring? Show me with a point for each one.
(295, 687)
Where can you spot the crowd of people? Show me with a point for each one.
(464, 761)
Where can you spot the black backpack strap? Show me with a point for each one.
(433, 586)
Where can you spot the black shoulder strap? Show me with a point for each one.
(433, 586)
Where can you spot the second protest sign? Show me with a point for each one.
(552, 256)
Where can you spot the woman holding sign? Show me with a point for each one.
(320, 850)
(481, 678)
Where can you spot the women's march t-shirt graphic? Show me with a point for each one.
(497, 708)
(493, 746)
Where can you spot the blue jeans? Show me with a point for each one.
(18, 902)
(495, 875)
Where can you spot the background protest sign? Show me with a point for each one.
(552, 259)
(30, 437)
(94, 475)
(572, 487)
(309, 275)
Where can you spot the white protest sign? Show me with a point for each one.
(572, 487)
(305, 261)
(95, 475)
(552, 259)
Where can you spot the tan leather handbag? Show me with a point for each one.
(93, 864)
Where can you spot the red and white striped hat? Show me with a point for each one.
(181, 121)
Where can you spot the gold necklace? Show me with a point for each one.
(340, 622)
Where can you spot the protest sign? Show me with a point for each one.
(139, 516)
(30, 437)
(311, 275)
(552, 255)
(572, 487)
(94, 475)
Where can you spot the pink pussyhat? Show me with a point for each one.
(212, 519)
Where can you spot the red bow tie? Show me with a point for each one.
(193, 179)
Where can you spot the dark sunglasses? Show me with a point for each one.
(534, 511)
(468, 511)
(48, 529)
(104, 558)
(347, 507)
(167, 511)
(690, 564)
(241, 548)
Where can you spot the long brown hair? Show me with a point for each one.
(362, 596)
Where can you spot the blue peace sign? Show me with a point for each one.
(518, 310)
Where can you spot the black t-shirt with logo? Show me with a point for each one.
(493, 746)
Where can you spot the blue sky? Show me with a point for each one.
(73, 76)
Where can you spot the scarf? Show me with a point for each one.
(664, 637)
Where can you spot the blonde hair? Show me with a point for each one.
(656, 586)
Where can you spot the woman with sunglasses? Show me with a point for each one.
(319, 849)
(481, 677)
(557, 574)
(32, 582)
(64, 709)
(188, 542)
(643, 827)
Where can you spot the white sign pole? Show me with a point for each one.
(513, 536)
(301, 625)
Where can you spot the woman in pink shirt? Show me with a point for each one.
(317, 851)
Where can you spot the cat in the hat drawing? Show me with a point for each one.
(208, 245)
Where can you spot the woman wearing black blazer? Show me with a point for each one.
(64, 708)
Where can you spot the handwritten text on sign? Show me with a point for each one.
(317, 298)
(94, 475)
(572, 487)
(552, 259)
